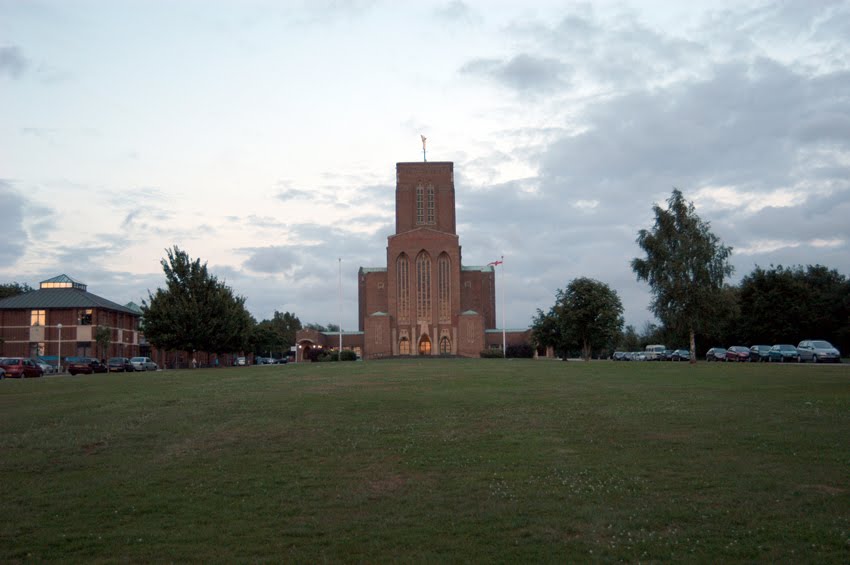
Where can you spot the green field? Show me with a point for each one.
(430, 460)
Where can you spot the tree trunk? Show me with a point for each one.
(693, 347)
(585, 350)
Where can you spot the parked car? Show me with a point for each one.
(119, 365)
(784, 352)
(681, 355)
(818, 351)
(143, 364)
(86, 366)
(716, 354)
(20, 367)
(738, 353)
(639, 356)
(46, 367)
(760, 353)
(240, 362)
(618, 356)
(668, 354)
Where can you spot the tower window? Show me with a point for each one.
(423, 287)
(402, 273)
(430, 215)
(445, 287)
(425, 206)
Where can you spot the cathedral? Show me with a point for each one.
(425, 301)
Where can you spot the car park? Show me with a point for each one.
(143, 364)
(738, 353)
(681, 355)
(760, 353)
(86, 366)
(784, 352)
(20, 367)
(119, 365)
(716, 354)
(818, 351)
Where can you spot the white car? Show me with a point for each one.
(46, 367)
(143, 364)
(818, 351)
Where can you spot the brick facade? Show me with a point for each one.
(424, 301)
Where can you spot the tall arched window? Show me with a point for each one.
(423, 287)
(404, 346)
(444, 283)
(420, 205)
(403, 276)
(430, 212)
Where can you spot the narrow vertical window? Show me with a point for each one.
(404, 346)
(402, 273)
(423, 287)
(445, 346)
(420, 205)
(445, 287)
(430, 217)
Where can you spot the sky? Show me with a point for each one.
(262, 138)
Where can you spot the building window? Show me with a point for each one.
(404, 346)
(445, 287)
(430, 216)
(425, 346)
(403, 274)
(37, 317)
(420, 205)
(445, 346)
(423, 287)
(467, 284)
(379, 334)
(84, 317)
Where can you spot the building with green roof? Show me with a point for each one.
(61, 317)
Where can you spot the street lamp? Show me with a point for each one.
(59, 351)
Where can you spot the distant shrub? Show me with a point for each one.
(491, 354)
(524, 351)
(347, 355)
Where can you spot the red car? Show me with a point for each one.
(738, 353)
(86, 366)
(21, 367)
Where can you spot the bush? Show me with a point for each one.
(491, 354)
(524, 351)
(347, 355)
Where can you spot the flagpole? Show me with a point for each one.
(504, 346)
(339, 353)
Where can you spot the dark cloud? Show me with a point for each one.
(15, 237)
(12, 61)
(523, 72)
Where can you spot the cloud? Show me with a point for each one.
(523, 72)
(455, 11)
(12, 61)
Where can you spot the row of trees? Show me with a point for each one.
(686, 267)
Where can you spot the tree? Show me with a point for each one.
(685, 266)
(195, 311)
(276, 334)
(103, 337)
(13, 289)
(586, 314)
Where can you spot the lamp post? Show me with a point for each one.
(59, 349)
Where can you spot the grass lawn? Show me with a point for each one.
(430, 460)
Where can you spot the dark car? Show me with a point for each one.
(681, 355)
(86, 366)
(119, 365)
(760, 353)
(784, 352)
(818, 351)
(738, 353)
(716, 354)
(20, 367)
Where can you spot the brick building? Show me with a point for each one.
(61, 313)
(425, 301)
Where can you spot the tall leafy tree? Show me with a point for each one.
(277, 334)
(685, 266)
(587, 314)
(195, 311)
(13, 289)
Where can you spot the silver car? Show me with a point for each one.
(143, 364)
(818, 351)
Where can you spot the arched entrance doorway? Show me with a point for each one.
(425, 345)
(445, 345)
(305, 351)
(404, 346)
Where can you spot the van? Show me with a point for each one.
(655, 352)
